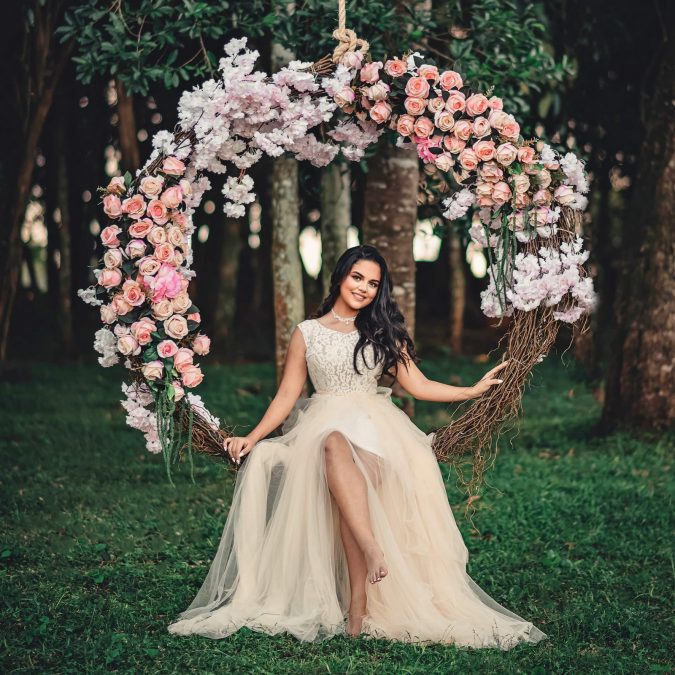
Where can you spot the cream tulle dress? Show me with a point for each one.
(280, 566)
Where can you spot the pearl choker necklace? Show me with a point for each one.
(343, 319)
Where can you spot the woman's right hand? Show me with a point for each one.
(238, 447)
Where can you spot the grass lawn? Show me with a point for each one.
(98, 553)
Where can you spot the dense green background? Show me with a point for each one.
(99, 553)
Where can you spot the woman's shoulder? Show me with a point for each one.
(306, 327)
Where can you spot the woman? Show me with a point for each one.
(345, 515)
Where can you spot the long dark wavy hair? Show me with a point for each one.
(380, 323)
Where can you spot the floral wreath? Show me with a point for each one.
(527, 201)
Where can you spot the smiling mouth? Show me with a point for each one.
(359, 297)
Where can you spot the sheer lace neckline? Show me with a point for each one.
(333, 330)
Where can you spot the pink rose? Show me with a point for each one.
(178, 258)
(181, 303)
(370, 73)
(456, 102)
(444, 162)
(495, 103)
(109, 278)
(484, 201)
(128, 345)
(454, 144)
(542, 197)
(351, 60)
(175, 236)
(151, 186)
(112, 206)
(135, 248)
(450, 80)
(526, 154)
(164, 253)
(176, 326)
(417, 87)
(476, 104)
(463, 129)
(192, 376)
(510, 128)
(428, 72)
(132, 293)
(424, 148)
(468, 159)
(157, 211)
(378, 92)
(153, 370)
(424, 127)
(415, 106)
(490, 171)
(182, 359)
(564, 194)
(108, 314)
(167, 348)
(178, 390)
(506, 154)
(134, 206)
(195, 316)
(167, 283)
(162, 309)
(380, 112)
(157, 235)
(435, 104)
(172, 197)
(543, 178)
(140, 228)
(485, 150)
(501, 192)
(395, 67)
(116, 186)
(109, 236)
(186, 187)
(444, 120)
(173, 166)
(497, 119)
(201, 345)
(148, 266)
(405, 125)
(142, 330)
(521, 183)
(120, 305)
(113, 257)
(344, 97)
(522, 199)
(481, 127)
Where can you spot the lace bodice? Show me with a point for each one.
(330, 362)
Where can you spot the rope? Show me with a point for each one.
(348, 42)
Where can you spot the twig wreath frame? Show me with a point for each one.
(527, 203)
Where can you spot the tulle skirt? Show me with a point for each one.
(281, 567)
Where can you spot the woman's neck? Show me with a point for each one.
(341, 308)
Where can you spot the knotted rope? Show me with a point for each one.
(348, 42)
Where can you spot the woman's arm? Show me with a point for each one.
(290, 388)
(416, 383)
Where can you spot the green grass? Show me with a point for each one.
(98, 553)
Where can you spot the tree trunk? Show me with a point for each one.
(131, 154)
(457, 289)
(336, 206)
(389, 224)
(640, 390)
(289, 305)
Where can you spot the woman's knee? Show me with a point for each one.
(335, 443)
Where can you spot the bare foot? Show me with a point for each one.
(354, 622)
(377, 567)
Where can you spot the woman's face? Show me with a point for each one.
(359, 288)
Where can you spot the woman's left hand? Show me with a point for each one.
(488, 380)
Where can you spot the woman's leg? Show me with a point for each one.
(356, 565)
(348, 487)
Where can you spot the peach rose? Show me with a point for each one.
(132, 293)
(414, 106)
(175, 236)
(476, 104)
(370, 73)
(157, 211)
(178, 258)
(142, 330)
(405, 125)
(424, 127)
(417, 87)
(522, 200)
(116, 186)
(344, 97)
(380, 112)
(109, 236)
(120, 305)
(444, 162)
(463, 129)
(186, 187)
(543, 178)
(182, 359)
(195, 316)
(435, 104)
(112, 206)
(526, 154)
(506, 154)
(108, 314)
(485, 150)
(162, 309)
(495, 103)
(542, 197)
(157, 235)
(352, 60)
(468, 159)
(128, 345)
(172, 197)
(456, 102)
(109, 278)
(176, 326)
(395, 67)
(521, 183)
(510, 128)
(151, 186)
(564, 194)
(481, 127)
(135, 248)
(134, 206)
(444, 120)
(140, 228)
(378, 92)
(497, 119)
(113, 257)
(484, 201)
(181, 303)
(490, 171)
(148, 266)
(153, 370)
(450, 80)
(167, 348)
(173, 166)
(453, 144)
(178, 391)
(428, 72)
(192, 376)
(164, 253)
(501, 192)
(201, 345)
(484, 189)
